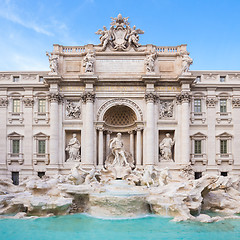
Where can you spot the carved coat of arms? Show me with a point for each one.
(120, 36)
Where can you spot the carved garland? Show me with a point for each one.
(3, 102)
(28, 102)
(236, 102)
(211, 102)
(119, 101)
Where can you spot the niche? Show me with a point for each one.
(68, 137)
(162, 135)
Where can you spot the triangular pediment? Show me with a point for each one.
(40, 134)
(199, 135)
(225, 134)
(14, 134)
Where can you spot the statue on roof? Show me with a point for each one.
(120, 36)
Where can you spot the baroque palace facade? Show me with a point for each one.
(143, 92)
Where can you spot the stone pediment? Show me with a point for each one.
(224, 135)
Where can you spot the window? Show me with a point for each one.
(15, 79)
(197, 146)
(15, 178)
(223, 146)
(222, 78)
(41, 146)
(15, 146)
(16, 105)
(224, 174)
(223, 105)
(41, 174)
(42, 106)
(198, 79)
(197, 175)
(197, 105)
(41, 79)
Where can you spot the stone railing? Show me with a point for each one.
(167, 49)
(66, 49)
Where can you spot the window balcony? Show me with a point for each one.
(198, 117)
(224, 157)
(15, 157)
(199, 157)
(224, 117)
(15, 117)
(41, 157)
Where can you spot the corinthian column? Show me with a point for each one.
(54, 122)
(150, 130)
(185, 98)
(139, 147)
(100, 146)
(88, 98)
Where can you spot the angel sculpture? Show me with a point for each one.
(133, 36)
(105, 36)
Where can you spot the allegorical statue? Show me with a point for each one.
(166, 148)
(149, 62)
(53, 63)
(186, 62)
(73, 149)
(88, 61)
(116, 145)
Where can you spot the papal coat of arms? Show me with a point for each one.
(120, 36)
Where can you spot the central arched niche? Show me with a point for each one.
(120, 118)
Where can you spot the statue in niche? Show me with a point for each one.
(88, 61)
(116, 145)
(166, 148)
(73, 110)
(73, 149)
(53, 63)
(149, 62)
(119, 162)
(186, 61)
(166, 109)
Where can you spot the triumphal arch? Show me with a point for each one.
(166, 115)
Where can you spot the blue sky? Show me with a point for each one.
(211, 28)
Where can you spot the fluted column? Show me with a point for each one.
(100, 146)
(185, 98)
(131, 142)
(88, 99)
(150, 129)
(107, 142)
(28, 119)
(54, 124)
(139, 147)
(178, 133)
(3, 134)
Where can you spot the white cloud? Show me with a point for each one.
(7, 12)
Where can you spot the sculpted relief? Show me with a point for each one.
(166, 109)
(73, 110)
(120, 36)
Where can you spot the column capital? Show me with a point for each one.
(139, 128)
(183, 97)
(131, 132)
(150, 97)
(211, 102)
(236, 102)
(3, 102)
(55, 97)
(28, 102)
(100, 128)
(88, 97)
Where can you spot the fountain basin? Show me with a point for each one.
(118, 200)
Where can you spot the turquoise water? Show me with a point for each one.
(79, 226)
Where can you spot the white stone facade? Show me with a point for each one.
(141, 91)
